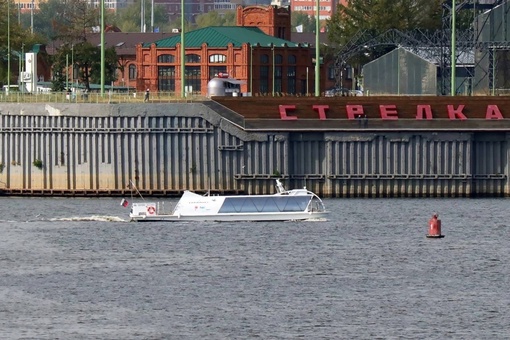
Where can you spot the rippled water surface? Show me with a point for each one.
(76, 269)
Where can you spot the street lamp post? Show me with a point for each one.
(307, 90)
(8, 47)
(32, 17)
(317, 53)
(22, 62)
(251, 68)
(152, 16)
(453, 48)
(272, 48)
(102, 49)
(183, 54)
(67, 72)
(72, 64)
(19, 71)
(142, 16)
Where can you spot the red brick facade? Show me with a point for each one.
(264, 70)
(272, 20)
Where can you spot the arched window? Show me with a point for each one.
(218, 58)
(278, 59)
(264, 59)
(192, 58)
(166, 58)
(292, 59)
(132, 71)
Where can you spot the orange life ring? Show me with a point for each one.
(151, 210)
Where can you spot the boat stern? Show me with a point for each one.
(143, 210)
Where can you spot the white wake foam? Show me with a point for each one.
(89, 218)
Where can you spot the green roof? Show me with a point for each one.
(221, 36)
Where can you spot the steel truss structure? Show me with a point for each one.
(471, 51)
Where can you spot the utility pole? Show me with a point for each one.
(152, 16)
(317, 53)
(8, 46)
(102, 48)
(32, 18)
(453, 48)
(183, 54)
(142, 16)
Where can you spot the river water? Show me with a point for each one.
(76, 269)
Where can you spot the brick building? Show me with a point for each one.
(258, 52)
(125, 45)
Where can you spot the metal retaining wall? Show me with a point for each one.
(95, 149)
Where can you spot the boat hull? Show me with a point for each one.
(285, 205)
(294, 216)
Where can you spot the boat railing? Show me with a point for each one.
(315, 204)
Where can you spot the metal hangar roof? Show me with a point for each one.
(221, 36)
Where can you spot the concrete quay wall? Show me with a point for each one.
(96, 149)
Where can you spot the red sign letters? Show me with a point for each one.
(390, 112)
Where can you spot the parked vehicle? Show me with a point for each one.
(356, 93)
(336, 92)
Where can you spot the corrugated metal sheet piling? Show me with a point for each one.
(95, 149)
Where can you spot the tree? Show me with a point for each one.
(378, 16)
(214, 18)
(87, 59)
(230, 18)
(79, 18)
(68, 20)
(128, 19)
(50, 12)
(302, 18)
(16, 39)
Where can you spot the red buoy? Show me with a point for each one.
(435, 227)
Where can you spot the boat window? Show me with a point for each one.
(265, 204)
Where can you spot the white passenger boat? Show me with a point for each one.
(285, 205)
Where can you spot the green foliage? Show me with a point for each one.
(110, 66)
(68, 20)
(87, 59)
(37, 163)
(50, 12)
(17, 37)
(302, 18)
(214, 18)
(230, 18)
(188, 26)
(79, 18)
(128, 19)
(378, 16)
(2, 166)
